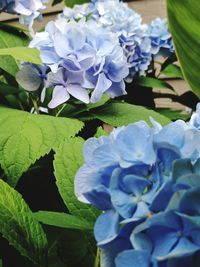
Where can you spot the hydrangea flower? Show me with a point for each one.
(160, 36)
(96, 62)
(65, 83)
(140, 42)
(146, 180)
(27, 9)
(195, 118)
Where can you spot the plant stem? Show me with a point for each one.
(35, 105)
(97, 259)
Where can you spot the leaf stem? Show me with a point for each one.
(58, 113)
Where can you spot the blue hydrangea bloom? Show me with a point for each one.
(139, 42)
(146, 180)
(140, 58)
(160, 36)
(195, 118)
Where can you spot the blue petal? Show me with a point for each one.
(190, 202)
(181, 167)
(99, 197)
(182, 249)
(112, 249)
(167, 157)
(162, 198)
(135, 184)
(124, 204)
(133, 258)
(86, 180)
(106, 227)
(102, 85)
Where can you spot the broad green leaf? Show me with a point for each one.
(68, 159)
(19, 227)
(62, 220)
(71, 3)
(184, 25)
(26, 137)
(119, 114)
(10, 37)
(26, 54)
(173, 71)
(152, 82)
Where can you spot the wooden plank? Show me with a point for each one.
(149, 9)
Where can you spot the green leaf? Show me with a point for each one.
(10, 37)
(19, 227)
(100, 132)
(152, 83)
(104, 99)
(62, 220)
(174, 114)
(71, 3)
(119, 114)
(184, 25)
(26, 54)
(173, 71)
(69, 249)
(68, 159)
(26, 137)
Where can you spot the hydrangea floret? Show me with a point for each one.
(146, 180)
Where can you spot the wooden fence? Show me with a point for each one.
(149, 9)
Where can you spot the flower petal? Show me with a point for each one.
(60, 96)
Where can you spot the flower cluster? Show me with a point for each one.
(81, 60)
(147, 183)
(140, 42)
(27, 9)
(93, 49)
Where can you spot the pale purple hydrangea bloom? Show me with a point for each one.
(139, 42)
(85, 60)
